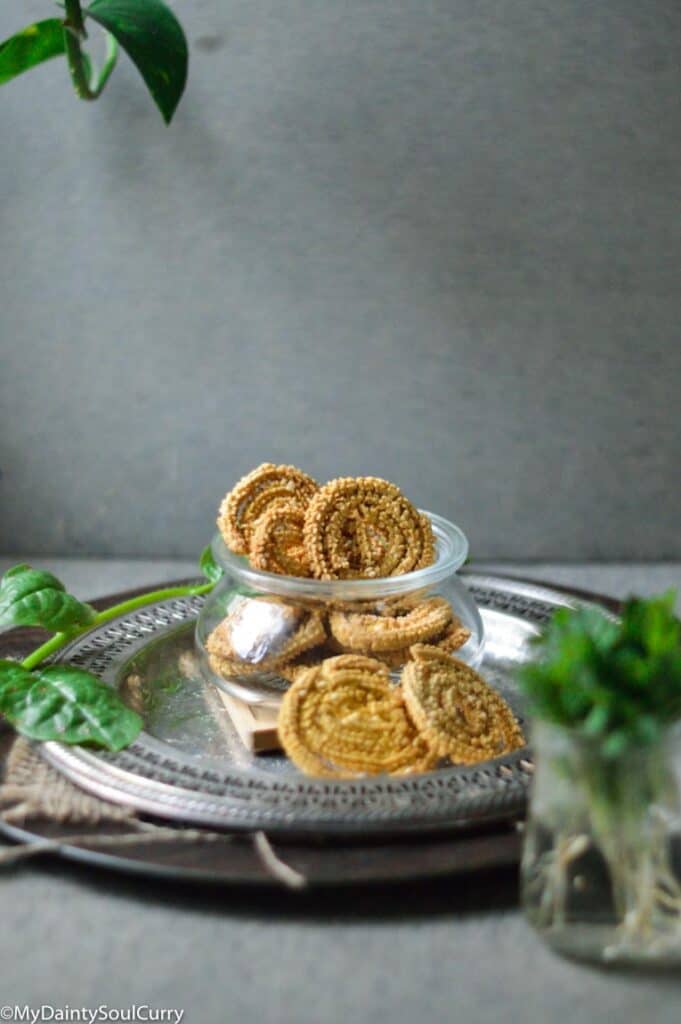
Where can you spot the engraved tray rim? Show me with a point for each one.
(159, 781)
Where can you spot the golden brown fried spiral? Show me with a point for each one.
(343, 718)
(254, 494)
(262, 634)
(277, 541)
(365, 527)
(459, 715)
(374, 634)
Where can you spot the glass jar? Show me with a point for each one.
(601, 865)
(257, 628)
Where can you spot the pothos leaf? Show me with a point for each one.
(65, 704)
(153, 38)
(209, 567)
(29, 597)
(33, 45)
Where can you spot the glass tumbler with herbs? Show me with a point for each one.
(601, 868)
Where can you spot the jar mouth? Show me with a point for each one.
(451, 548)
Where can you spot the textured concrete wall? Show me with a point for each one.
(436, 240)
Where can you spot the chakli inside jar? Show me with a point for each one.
(258, 630)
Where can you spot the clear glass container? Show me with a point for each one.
(257, 628)
(601, 866)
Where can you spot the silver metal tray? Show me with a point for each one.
(189, 764)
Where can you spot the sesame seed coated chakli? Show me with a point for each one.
(254, 494)
(365, 527)
(228, 647)
(343, 718)
(460, 716)
(378, 633)
(277, 541)
(454, 637)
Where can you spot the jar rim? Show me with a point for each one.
(451, 545)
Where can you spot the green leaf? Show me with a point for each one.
(16, 569)
(65, 704)
(596, 721)
(209, 567)
(614, 745)
(29, 597)
(33, 45)
(153, 38)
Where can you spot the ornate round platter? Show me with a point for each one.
(189, 764)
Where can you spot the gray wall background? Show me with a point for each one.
(434, 240)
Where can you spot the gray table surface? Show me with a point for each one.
(458, 950)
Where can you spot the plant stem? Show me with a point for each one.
(77, 66)
(59, 640)
(86, 85)
(74, 16)
(74, 31)
(52, 645)
(107, 67)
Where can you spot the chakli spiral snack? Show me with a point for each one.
(261, 635)
(376, 606)
(459, 715)
(254, 494)
(277, 541)
(364, 526)
(454, 637)
(343, 718)
(313, 658)
(378, 633)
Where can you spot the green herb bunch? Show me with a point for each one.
(59, 701)
(147, 30)
(617, 684)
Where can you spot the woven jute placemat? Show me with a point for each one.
(32, 790)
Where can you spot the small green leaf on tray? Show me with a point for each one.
(153, 38)
(209, 567)
(65, 704)
(29, 597)
(33, 45)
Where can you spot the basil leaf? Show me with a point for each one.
(29, 597)
(153, 38)
(65, 704)
(16, 569)
(209, 567)
(33, 45)
(12, 674)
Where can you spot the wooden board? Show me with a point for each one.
(256, 726)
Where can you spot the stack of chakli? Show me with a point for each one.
(338, 656)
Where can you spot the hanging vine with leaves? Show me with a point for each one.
(146, 30)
